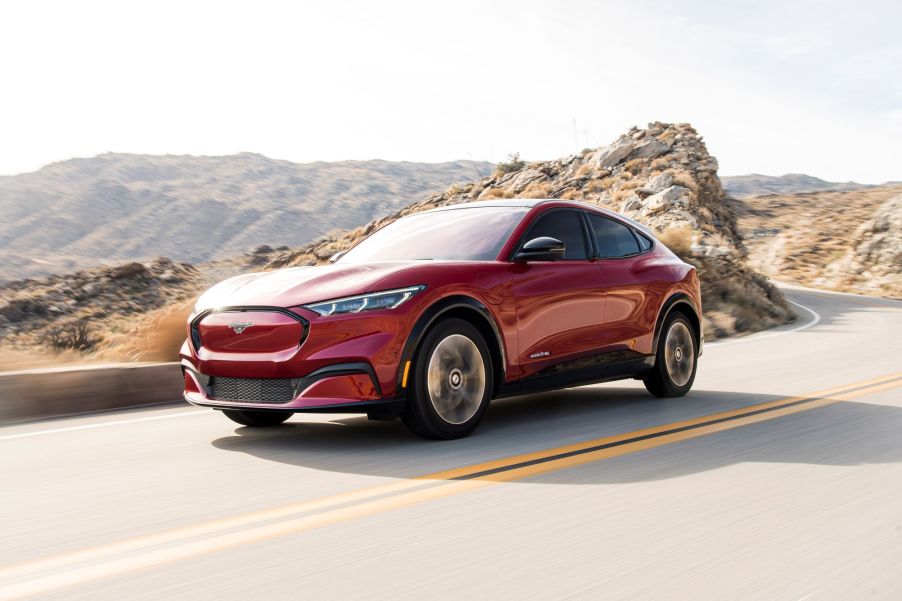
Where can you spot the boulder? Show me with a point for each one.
(662, 200)
(613, 154)
(649, 150)
(129, 270)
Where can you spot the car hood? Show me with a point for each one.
(299, 285)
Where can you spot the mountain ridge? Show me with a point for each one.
(114, 207)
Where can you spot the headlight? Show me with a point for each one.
(389, 299)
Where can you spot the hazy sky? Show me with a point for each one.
(775, 87)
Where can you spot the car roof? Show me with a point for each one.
(529, 203)
(526, 203)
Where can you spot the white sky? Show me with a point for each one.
(775, 87)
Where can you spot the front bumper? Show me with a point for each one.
(349, 387)
(342, 363)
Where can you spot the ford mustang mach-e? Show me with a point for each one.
(434, 315)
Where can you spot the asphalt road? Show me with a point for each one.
(778, 477)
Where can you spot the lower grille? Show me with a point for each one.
(252, 390)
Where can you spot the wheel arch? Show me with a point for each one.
(682, 302)
(468, 309)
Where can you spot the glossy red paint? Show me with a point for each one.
(542, 314)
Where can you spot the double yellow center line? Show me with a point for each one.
(78, 567)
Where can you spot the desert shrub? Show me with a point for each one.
(572, 194)
(453, 189)
(493, 193)
(683, 178)
(583, 170)
(608, 182)
(631, 184)
(537, 190)
(76, 336)
(677, 239)
(660, 163)
(635, 165)
(595, 186)
(513, 164)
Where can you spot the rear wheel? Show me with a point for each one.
(452, 382)
(676, 359)
(257, 419)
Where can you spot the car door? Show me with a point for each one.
(629, 284)
(560, 304)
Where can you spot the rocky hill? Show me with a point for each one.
(662, 176)
(121, 207)
(833, 240)
(873, 264)
(741, 186)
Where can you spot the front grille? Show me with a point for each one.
(252, 390)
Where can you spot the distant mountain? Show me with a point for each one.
(741, 186)
(116, 207)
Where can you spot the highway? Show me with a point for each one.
(778, 477)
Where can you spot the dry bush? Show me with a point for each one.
(508, 194)
(619, 196)
(157, 337)
(493, 193)
(596, 186)
(684, 178)
(608, 182)
(76, 336)
(537, 190)
(583, 170)
(660, 163)
(572, 194)
(635, 165)
(514, 164)
(631, 184)
(677, 239)
(453, 189)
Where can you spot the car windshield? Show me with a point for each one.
(464, 234)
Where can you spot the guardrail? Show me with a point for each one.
(51, 392)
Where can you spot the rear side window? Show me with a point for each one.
(565, 226)
(614, 239)
(644, 242)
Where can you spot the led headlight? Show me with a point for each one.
(388, 299)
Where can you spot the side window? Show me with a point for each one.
(565, 226)
(644, 242)
(613, 239)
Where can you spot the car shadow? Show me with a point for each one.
(843, 433)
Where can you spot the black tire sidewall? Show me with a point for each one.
(421, 415)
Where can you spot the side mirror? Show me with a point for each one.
(543, 248)
(337, 256)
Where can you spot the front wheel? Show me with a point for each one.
(257, 419)
(676, 359)
(452, 382)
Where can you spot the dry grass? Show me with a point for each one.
(493, 193)
(800, 237)
(584, 170)
(157, 338)
(572, 194)
(635, 165)
(660, 164)
(537, 190)
(631, 184)
(677, 239)
(684, 178)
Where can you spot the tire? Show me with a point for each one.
(453, 381)
(257, 419)
(675, 367)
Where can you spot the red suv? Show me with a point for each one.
(437, 313)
